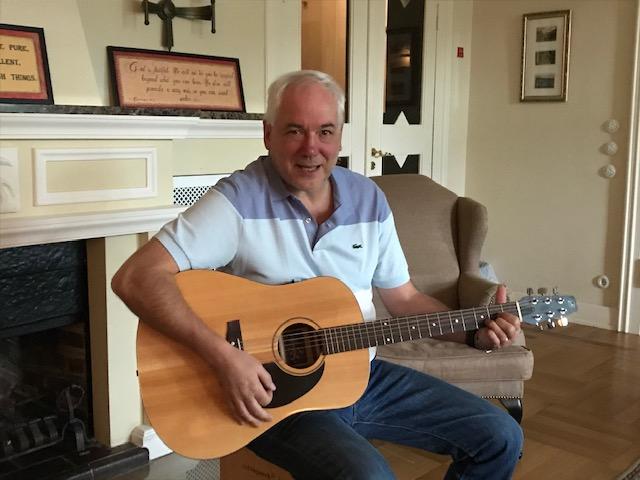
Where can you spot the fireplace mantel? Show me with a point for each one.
(103, 123)
(59, 228)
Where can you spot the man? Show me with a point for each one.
(285, 218)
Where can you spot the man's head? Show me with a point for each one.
(279, 85)
(303, 130)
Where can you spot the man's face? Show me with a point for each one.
(305, 137)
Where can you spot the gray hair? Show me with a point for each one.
(279, 85)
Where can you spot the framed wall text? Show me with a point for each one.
(153, 79)
(24, 67)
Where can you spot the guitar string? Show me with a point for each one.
(510, 307)
(348, 334)
(342, 334)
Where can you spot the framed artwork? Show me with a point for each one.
(546, 39)
(155, 79)
(24, 66)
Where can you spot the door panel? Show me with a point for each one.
(399, 86)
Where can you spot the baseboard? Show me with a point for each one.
(145, 436)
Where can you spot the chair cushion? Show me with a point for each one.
(497, 374)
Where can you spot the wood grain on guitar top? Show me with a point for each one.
(180, 393)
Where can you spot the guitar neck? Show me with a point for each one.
(403, 329)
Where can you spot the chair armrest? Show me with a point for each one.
(475, 290)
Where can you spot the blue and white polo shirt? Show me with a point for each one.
(249, 225)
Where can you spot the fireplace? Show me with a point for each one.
(46, 411)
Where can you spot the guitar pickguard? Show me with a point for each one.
(290, 387)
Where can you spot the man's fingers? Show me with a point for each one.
(501, 294)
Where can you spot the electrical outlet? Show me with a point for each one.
(9, 180)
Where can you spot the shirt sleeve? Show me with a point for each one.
(392, 269)
(205, 236)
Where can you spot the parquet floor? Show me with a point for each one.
(581, 410)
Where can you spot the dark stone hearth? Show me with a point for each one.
(57, 463)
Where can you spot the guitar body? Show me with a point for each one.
(181, 395)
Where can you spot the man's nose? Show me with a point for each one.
(310, 144)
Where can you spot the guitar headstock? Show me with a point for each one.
(547, 310)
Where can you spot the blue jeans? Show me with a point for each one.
(403, 406)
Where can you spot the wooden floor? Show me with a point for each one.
(581, 410)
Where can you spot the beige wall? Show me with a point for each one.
(554, 220)
(77, 33)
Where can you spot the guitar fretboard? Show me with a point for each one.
(403, 329)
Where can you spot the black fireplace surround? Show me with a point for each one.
(46, 428)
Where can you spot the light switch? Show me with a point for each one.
(9, 180)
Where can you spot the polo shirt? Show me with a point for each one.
(251, 226)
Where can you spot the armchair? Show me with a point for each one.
(442, 237)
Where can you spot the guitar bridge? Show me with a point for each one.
(234, 334)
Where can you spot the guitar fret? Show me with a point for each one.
(429, 325)
(451, 322)
(475, 318)
(326, 344)
(439, 323)
(418, 324)
(410, 328)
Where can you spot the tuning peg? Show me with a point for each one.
(542, 291)
(529, 291)
(551, 324)
(563, 322)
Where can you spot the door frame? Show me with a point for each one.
(629, 306)
(359, 136)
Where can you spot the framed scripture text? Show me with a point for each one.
(154, 79)
(24, 66)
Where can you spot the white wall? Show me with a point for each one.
(554, 220)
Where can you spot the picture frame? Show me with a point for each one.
(158, 79)
(546, 39)
(24, 77)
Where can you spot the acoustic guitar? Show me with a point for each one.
(311, 338)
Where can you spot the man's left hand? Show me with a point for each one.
(501, 331)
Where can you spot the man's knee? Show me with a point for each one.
(509, 437)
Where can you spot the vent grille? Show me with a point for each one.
(188, 189)
(187, 196)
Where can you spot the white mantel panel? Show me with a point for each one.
(17, 126)
(61, 228)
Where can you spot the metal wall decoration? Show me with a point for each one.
(166, 10)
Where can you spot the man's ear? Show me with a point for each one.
(266, 134)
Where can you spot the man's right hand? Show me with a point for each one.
(247, 385)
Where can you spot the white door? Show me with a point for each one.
(390, 127)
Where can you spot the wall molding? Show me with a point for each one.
(43, 157)
(17, 126)
(15, 232)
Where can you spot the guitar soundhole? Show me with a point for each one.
(299, 346)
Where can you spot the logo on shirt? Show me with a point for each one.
(356, 245)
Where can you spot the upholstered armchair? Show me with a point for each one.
(442, 237)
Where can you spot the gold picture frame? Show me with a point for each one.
(546, 38)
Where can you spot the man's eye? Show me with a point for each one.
(326, 132)
(293, 132)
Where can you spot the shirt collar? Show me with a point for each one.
(342, 200)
